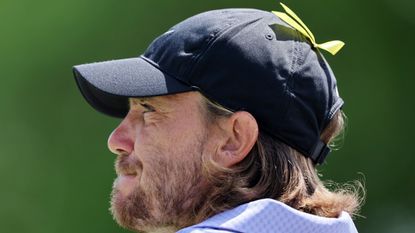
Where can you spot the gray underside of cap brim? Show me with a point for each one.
(108, 85)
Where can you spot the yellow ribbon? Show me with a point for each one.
(292, 19)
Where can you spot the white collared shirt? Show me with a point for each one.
(271, 216)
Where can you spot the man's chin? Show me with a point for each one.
(131, 210)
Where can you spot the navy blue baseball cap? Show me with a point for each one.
(243, 59)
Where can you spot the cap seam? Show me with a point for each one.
(290, 82)
(212, 38)
(212, 44)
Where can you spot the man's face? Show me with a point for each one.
(160, 145)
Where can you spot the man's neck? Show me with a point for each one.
(163, 230)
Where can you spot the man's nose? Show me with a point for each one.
(121, 140)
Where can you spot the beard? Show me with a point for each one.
(171, 196)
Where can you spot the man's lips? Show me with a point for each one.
(126, 184)
(121, 172)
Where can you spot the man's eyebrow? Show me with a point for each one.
(156, 101)
(153, 101)
(137, 101)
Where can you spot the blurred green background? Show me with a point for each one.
(55, 170)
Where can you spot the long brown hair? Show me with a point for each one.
(274, 170)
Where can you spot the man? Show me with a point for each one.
(226, 116)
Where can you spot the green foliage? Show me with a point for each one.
(55, 171)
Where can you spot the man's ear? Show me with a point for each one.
(241, 133)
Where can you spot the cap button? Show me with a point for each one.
(269, 36)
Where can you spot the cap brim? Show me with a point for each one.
(107, 85)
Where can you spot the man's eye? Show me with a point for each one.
(147, 108)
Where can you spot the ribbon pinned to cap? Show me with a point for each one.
(293, 20)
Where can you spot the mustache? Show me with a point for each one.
(127, 165)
